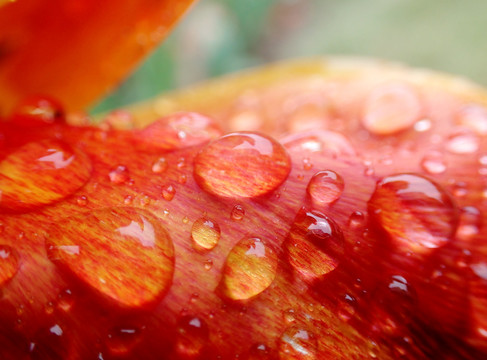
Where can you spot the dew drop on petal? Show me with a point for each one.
(325, 187)
(178, 131)
(433, 163)
(82, 200)
(168, 192)
(242, 164)
(315, 244)
(391, 108)
(474, 117)
(208, 264)
(159, 166)
(297, 344)
(238, 213)
(9, 264)
(192, 337)
(41, 173)
(463, 143)
(121, 340)
(249, 269)
(119, 175)
(205, 233)
(65, 300)
(417, 213)
(112, 250)
(469, 223)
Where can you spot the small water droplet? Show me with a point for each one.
(307, 164)
(168, 192)
(469, 224)
(185, 220)
(325, 187)
(59, 171)
(38, 111)
(9, 264)
(433, 163)
(208, 264)
(417, 213)
(315, 244)
(117, 249)
(159, 166)
(242, 164)
(238, 213)
(205, 233)
(422, 125)
(346, 307)
(119, 175)
(65, 300)
(182, 179)
(82, 200)
(127, 200)
(297, 344)
(391, 108)
(249, 269)
(459, 189)
(356, 220)
(463, 143)
(121, 340)
(317, 141)
(258, 352)
(192, 337)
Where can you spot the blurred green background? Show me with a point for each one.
(221, 36)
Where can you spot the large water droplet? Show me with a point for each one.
(205, 233)
(315, 244)
(391, 108)
(192, 337)
(112, 251)
(178, 131)
(41, 173)
(325, 187)
(9, 264)
(297, 344)
(416, 212)
(250, 268)
(121, 340)
(242, 165)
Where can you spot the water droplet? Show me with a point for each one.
(121, 340)
(208, 264)
(422, 125)
(346, 307)
(463, 143)
(329, 142)
(127, 200)
(119, 174)
(433, 163)
(238, 213)
(82, 200)
(242, 165)
(159, 166)
(65, 300)
(178, 131)
(474, 117)
(297, 344)
(168, 192)
(459, 188)
(417, 213)
(205, 233)
(391, 108)
(9, 264)
(315, 244)
(59, 171)
(182, 179)
(307, 164)
(356, 220)
(258, 352)
(36, 111)
(325, 187)
(469, 224)
(192, 337)
(112, 251)
(249, 269)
